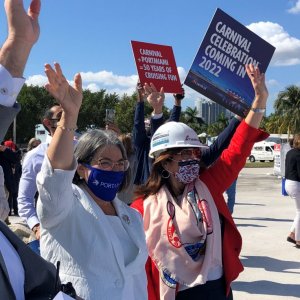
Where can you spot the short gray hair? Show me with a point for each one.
(90, 142)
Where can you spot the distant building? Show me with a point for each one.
(209, 111)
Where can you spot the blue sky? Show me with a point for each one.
(93, 37)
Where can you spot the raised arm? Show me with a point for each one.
(61, 149)
(258, 107)
(233, 159)
(139, 131)
(23, 32)
(176, 111)
(156, 100)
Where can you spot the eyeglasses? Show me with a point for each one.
(107, 164)
(188, 153)
(55, 121)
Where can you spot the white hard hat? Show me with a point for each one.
(173, 135)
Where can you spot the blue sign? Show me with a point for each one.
(218, 71)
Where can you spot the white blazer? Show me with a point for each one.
(76, 232)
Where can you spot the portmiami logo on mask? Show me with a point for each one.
(104, 184)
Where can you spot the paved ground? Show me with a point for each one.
(264, 217)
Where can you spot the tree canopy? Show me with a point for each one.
(36, 100)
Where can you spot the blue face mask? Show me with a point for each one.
(104, 184)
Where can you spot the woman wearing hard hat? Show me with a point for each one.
(192, 240)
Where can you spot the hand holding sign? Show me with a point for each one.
(258, 82)
(180, 96)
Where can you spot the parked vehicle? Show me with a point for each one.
(40, 132)
(262, 151)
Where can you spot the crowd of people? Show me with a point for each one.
(108, 207)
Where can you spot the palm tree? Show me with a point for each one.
(271, 123)
(287, 109)
(191, 114)
(217, 127)
(191, 119)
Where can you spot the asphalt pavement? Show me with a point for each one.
(264, 217)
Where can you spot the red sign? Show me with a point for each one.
(277, 147)
(156, 64)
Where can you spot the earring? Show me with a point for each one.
(165, 174)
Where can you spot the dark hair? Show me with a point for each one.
(90, 142)
(126, 139)
(31, 143)
(155, 180)
(48, 114)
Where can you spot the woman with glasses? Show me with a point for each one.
(192, 240)
(98, 239)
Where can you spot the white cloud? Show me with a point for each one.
(287, 51)
(109, 78)
(93, 87)
(109, 81)
(112, 83)
(182, 73)
(39, 80)
(272, 83)
(295, 9)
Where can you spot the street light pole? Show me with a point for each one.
(15, 131)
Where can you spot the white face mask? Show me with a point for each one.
(188, 171)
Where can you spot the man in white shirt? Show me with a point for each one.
(23, 274)
(30, 168)
(22, 35)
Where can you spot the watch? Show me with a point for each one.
(258, 110)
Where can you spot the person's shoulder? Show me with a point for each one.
(31, 155)
(40, 149)
(293, 151)
(138, 204)
(297, 152)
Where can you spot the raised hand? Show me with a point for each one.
(70, 98)
(180, 96)
(155, 99)
(258, 106)
(23, 27)
(141, 92)
(258, 82)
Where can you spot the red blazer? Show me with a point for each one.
(218, 178)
